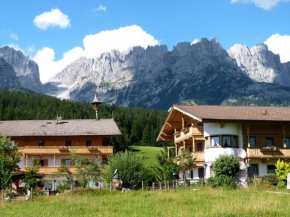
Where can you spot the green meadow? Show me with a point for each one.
(147, 152)
(183, 202)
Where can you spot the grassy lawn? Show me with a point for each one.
(184, 202)
(147, 152)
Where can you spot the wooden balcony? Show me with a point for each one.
(199, 156)
(51, 170)
(63, 150)
(188, 133)
(260, 153)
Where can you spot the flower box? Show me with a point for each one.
(270, 149)
(92, 148)
(63, 148)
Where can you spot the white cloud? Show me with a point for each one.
(48, 67)
(13, 36)
(265, 4)
(280, 44)
(195, 41)
(120, 39)
(52, 18)
(100, 8)
(30, 49)
(15, 46)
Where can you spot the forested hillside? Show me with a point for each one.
(138, 126)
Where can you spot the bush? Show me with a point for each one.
(282, 170)
(131, 170)
(270, 178)
(281, 184)
(226, 169)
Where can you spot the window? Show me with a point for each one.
(41, 162)
(88, 143)
(235, 141)
(215, 141)
(226, 141)
(68, 143)
(287, 142)
(271, 169)
(200, 146)
(253, 170)
(67, 162)
(201, 173)
(269, 142)
(252, 142)
(190, 149)
(41, 143)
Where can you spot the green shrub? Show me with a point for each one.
(282, 170)
(270, 178)
(281, 184)
(131, 170)
(226, 169)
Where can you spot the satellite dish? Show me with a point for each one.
(242, 153)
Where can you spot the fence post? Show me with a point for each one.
(2, 195)
(31, 194)
(159, 185)
(142, 186)
(110, 186)
(153, 186)
(165, 185)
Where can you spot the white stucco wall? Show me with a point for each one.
(228, 129)
(211, 154)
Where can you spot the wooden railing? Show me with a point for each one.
(49, 170)
(188, 132)
(62, 150)
(261, 153)
(199, 155)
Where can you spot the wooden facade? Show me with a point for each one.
(50, 142)
(265, 138)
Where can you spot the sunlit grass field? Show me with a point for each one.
(147, 152)
(183, 202)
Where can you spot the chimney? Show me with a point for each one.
(96, 105)
(265, 112)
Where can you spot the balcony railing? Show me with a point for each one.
(50, 170)
(61, 150)
(261, 153)
(188, 132)
(199, 156)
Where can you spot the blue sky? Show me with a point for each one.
(166, 21)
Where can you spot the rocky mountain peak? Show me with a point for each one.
(26, 69)
(8, 77)
(260, 64)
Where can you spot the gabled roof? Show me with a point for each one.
(236, 113)
(84, 127)
(209, 113)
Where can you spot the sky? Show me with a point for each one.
(55, 33)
